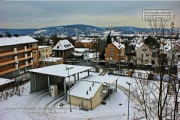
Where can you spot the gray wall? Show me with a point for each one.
(42, 81)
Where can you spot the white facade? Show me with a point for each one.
(143, 54)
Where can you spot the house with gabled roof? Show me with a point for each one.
(115, 51)
(63, 49)
(143, 54)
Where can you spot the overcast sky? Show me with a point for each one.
(102, 13)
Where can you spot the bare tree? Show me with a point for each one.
(157, 98)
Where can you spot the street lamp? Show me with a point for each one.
(69, 86)
(118, 63)
(128, 98)
(109, 59)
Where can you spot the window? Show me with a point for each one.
(142, 55)
(147, 55)
(143, 49)
(46, 50)
(111, 54)
(34, 52)
(1, 49)
(6, 48)
(34, 44)
(147, 60)
(34, 59)
(111, 48)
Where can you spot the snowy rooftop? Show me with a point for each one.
(168, 46)
(60, 70)
(6, 41)
(77, 54)
(4, 81)
(63, 45)
(81, 49)
(139, 45)
(81, 88)
(52, 59)
(101, 79)
(43, 47)
(86, 41)
(118, 45)
(93, 81)
(112, 32)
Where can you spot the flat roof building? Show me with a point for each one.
(43, 78)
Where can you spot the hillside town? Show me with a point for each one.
(85, 72)
(100, 60)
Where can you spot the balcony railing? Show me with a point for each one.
(7, 71)
(7, 62)
(6, 53)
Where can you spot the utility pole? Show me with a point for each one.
(69, 87)
(128, 98)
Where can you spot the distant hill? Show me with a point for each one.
(72, 30)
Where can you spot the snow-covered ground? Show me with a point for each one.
(40, 106)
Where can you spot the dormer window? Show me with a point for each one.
(57, 46)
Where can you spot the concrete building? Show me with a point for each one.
(43, 78)
(44, 52)
(90, 91)
(115, 51)
(17, 54)
(63, 49)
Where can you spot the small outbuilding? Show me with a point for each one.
(90, 91)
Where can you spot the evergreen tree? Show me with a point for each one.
(108, 41)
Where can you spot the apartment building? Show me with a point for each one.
(115, 52)
(44, 52)
(17, 55)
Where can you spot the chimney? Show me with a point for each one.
(87, 92)
(89, 88)
(92, 84)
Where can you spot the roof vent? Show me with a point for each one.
(87, 92)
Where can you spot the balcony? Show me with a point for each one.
(22, 65)
(21, 58)
(30, 64)
(29, 49)
(7, 62)
(6, 53)
(24, 57)
(7, 71)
